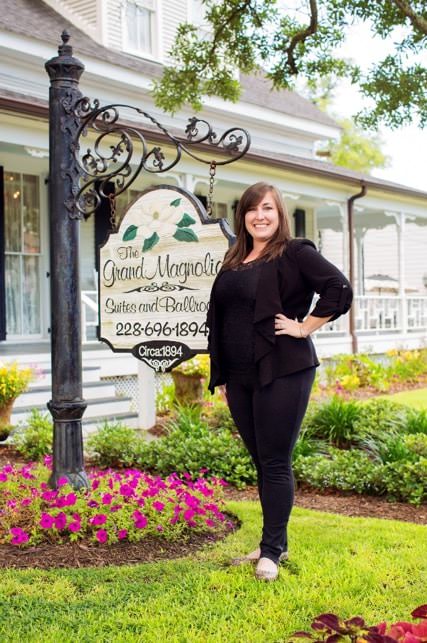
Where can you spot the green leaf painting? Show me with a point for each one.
(150, 242)
(185, 234)
(185, 221)
(130, 233)
(175, 203)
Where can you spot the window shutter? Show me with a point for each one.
(2, 261)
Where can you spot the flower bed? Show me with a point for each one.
(120, 506)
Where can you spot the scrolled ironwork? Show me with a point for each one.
(122, 161)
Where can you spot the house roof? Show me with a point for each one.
(35, 19)
(22, 104)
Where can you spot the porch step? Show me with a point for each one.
(44, 378)
(37, 395)
(100, 407)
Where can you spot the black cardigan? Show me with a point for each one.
(286, 285)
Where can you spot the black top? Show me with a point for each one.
(235, 298)
(285, 285)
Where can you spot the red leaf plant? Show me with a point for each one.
(330, 628)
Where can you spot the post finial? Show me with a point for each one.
(65, 49)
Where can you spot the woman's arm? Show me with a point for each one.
(285, 326)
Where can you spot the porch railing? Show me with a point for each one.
(376, 314)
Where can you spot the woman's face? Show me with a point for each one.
(262, 220)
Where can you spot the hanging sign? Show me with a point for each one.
(156, 275)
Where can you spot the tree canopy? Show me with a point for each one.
(301, 42)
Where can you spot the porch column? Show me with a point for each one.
(400, 220)
(360, 238)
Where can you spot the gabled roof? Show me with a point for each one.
(35, 19)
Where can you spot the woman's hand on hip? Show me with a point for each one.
(285, 326)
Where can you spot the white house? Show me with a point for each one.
(123, 44)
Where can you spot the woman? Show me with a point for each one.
(260, 348)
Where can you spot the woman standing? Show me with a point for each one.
(260, 348)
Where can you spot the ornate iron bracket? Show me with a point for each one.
(121, 151)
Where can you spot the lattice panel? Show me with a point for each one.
(127, 386)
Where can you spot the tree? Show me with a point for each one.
(356, 149)
(250, 35)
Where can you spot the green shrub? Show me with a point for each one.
(406, 480)
(334, 421)
(416, 421)
(113, 445)
(218, 416)
(220, 453)
(345, 470)
(34, 439)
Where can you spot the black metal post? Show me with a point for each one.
(67, 405)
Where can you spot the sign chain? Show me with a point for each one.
(209, 200)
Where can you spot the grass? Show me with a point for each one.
(370, 567)
(417, 398)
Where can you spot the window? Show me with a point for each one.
(22, 254)
(139, 23)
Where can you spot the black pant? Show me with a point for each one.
(269, 419)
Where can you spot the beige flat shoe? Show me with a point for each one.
(266, 570)
(253, 557)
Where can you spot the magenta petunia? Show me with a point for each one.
(62, 481)
(101, 536)
(189, 514)
(209, 522)
(47, 521)
(19, 536)
(107, 499)
(26, 501)
(158, 506)
(122, 534)
(74, 526)
(3, 477)
(61, 521)
(99, 519)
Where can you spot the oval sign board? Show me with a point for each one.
(155, 277)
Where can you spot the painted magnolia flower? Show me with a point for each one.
(167, 221)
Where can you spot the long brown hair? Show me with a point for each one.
(250, 198)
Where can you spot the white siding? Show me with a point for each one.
(174, 12)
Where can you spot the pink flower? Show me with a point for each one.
(159, 528)
(101, 536)
(61, 521)
(189, 514)
(107, 498)
(74, 526)
(3, 477)
(141, 521)
(126, 490)
(62, 481)
(115, 507)
(99, 519)
(158, 506)
(95, 485)
(46, 521)
(19, 536)
(26, 501)
(92, 503)
(209, 522)
(122, 534)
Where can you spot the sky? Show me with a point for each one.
(406, 146)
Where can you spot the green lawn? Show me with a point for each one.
(416, 398)
(374, 568)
